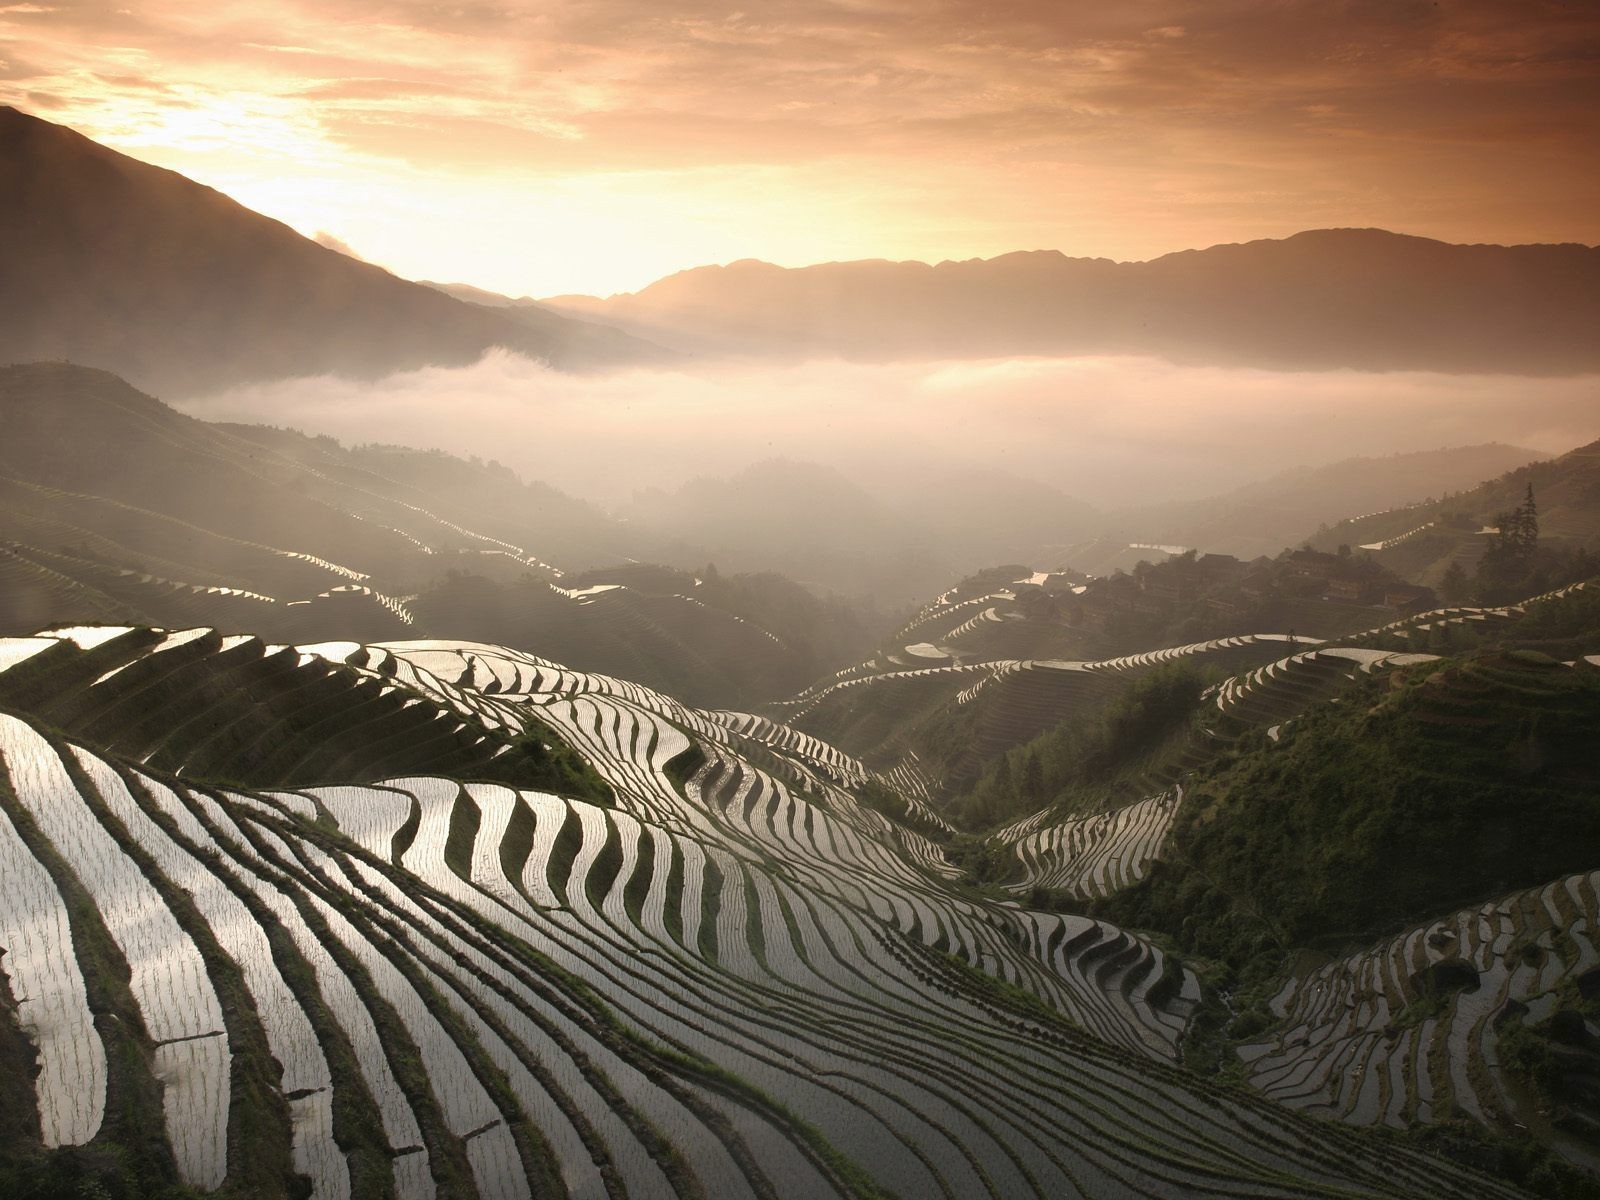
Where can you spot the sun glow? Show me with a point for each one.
(538, 149)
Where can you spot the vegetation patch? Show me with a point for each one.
(541, 760)
(1444, 784)
(1078, 761)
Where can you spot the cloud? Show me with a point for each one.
(957, 128)
(1113, 431)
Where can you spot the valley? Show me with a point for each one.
(320, 881)
(1017, 724)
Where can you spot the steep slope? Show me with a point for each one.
(1435, 785)
(114, 263)
(1265, 516)
(1362, 298)
(115, 507)
(1421, 541)
(734, 982)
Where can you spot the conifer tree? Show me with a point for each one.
(1032, 779)
(1510, 559)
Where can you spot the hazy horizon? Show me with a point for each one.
(1114, 432)
(932, 259)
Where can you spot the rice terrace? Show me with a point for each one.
(658, 601)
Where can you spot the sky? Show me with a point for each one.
(595, 145)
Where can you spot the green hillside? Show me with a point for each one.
(1423, 541)
(1431, 787)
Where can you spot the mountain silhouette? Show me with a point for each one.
(113, 263)
(1328, 298)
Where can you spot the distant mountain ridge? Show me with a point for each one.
(1327, 298)
(113, 263)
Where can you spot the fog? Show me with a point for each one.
(1113, 431)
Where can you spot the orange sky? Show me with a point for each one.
(593, 146)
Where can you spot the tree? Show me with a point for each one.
(1510, 558)
(1527, 515)
(1032, 779)
(1454, 587)
(1002, 775)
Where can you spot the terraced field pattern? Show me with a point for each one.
(293, 921)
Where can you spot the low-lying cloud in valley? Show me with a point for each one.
(1114, 431)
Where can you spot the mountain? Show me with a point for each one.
(722, 974)
(1265, 516)
(584, 342)
(115, 507)
(1327, 298)
(113, 263)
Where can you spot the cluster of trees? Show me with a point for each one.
(540, 760)
(826, 632)
(1511, 558)
(1460, 780)
(1516, 564)
(1086, 758)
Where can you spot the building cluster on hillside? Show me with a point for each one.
(1354, 580)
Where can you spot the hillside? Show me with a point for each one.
(116, 264)
(1394, 894)
(426, 985)
(115, 507)
(1435, 785)
(1327, 298)
(1008, 653)
(1422, 541)
(1264, 516)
